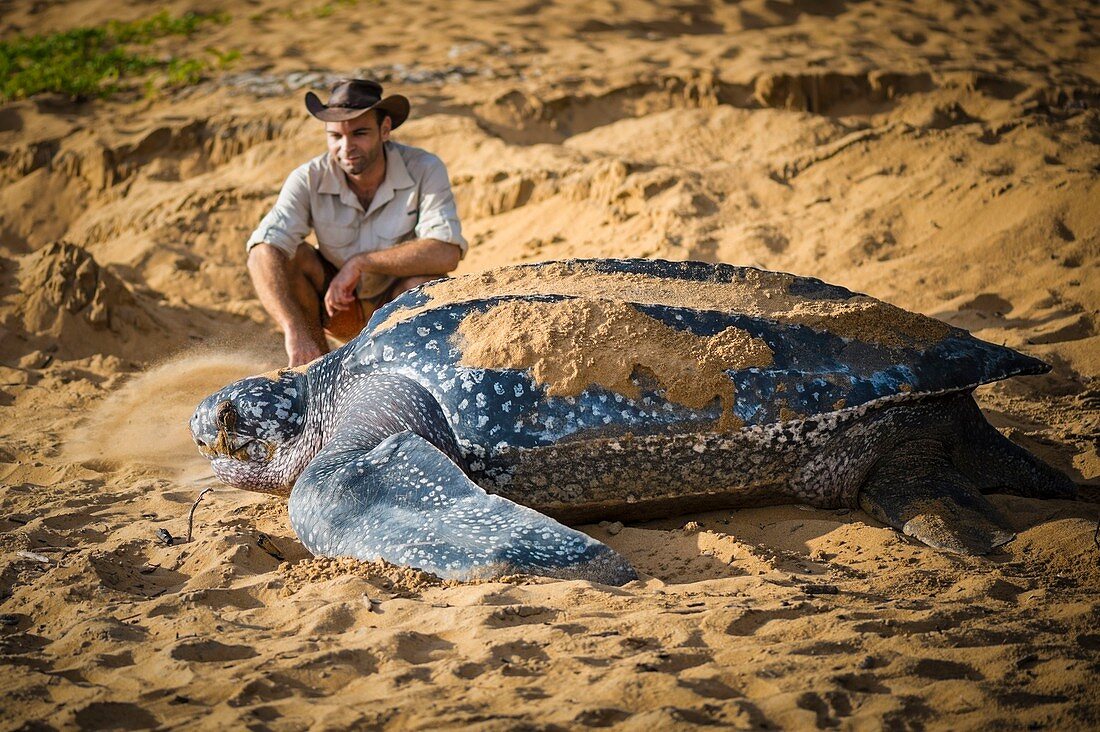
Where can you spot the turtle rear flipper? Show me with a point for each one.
(996, 464)
(404, 500)
(916, 489)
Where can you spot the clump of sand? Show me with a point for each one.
(64, 279)
(406, 581)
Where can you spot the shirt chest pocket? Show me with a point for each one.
(399, 218)
(331, 234)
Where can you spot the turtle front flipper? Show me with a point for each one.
(916, 489)
(404, 500)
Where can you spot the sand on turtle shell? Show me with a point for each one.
(570, 345)
(758, 294)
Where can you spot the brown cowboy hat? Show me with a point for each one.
(352, 97)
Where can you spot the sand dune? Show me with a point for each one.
(941, 156)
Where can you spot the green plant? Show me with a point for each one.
(185, 71)
(90, 62)
(323, 10)
(330, 7)
(224, 59)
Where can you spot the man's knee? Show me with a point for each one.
(306, 263)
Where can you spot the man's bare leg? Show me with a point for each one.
(308, 285)
(310, 292)
(288, 289)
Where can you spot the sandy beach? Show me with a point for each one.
(940, 156)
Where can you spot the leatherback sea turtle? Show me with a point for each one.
(472, 414)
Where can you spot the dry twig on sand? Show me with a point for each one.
(191, 516)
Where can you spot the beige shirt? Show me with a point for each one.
(414, 201)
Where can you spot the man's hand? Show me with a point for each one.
(341, 293)
(301, 348)
(415, 258)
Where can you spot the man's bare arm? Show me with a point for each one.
(416, 257)
(270, 271)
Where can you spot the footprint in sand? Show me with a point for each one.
(114, 715)
(939, 669)
(211, 651)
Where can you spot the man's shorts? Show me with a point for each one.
(355, 317)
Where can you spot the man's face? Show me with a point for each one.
(357, 143)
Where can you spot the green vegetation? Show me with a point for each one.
(324, 10)
(327, 9)
(90, 62)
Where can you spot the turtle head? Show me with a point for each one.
(249, 431)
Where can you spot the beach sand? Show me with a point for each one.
(940, 156)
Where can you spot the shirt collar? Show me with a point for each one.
(332, 178)
(397, 177)
(396, 172)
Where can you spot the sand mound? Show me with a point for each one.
(75, 308)
(64, 290)
(1066, 547)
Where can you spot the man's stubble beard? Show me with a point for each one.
(362, 165)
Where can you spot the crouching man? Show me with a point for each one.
(384, 218)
